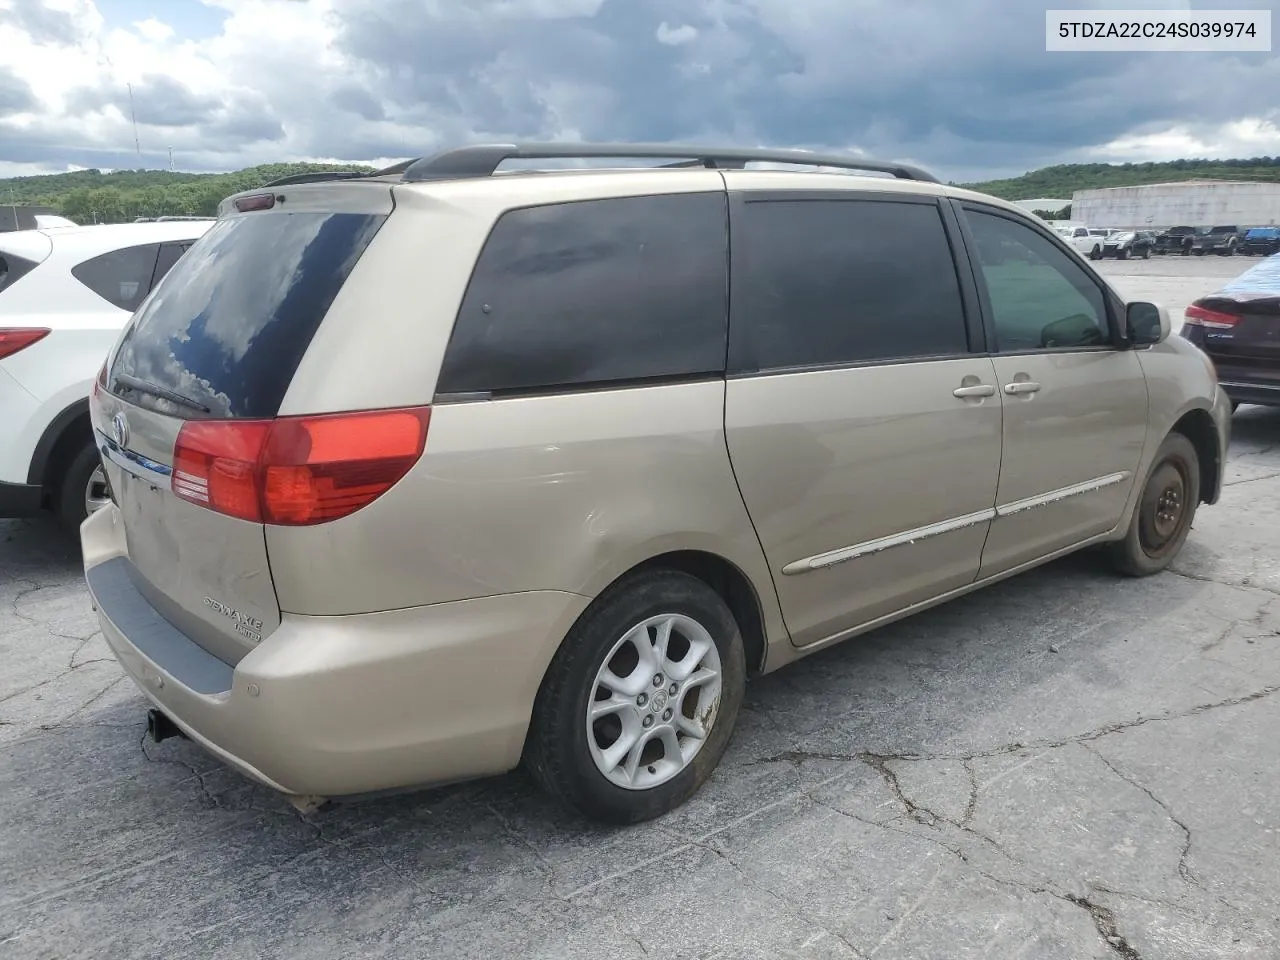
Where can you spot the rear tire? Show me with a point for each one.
(81, 483)
(600, 665)
(1164, 512)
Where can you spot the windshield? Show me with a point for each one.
(227, 327)
(1121, 237)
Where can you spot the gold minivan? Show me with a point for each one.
(420, 474)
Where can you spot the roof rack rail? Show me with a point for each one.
(481, 160)
(317, 177)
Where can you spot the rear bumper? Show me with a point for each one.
(342, 706)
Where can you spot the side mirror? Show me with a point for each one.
(1147, 323)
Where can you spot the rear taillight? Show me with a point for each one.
(1198, 316)
(13, 339)
(295, 471)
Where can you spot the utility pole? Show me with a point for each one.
(171, 159)
(137, 145)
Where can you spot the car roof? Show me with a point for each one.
(111, 236)
(486, 185)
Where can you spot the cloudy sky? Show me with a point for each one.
(963, 87)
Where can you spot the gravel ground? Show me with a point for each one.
(1066, 765)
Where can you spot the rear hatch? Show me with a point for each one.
(1239, 325)
(187, 402)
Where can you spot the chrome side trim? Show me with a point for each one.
(1062, 493)
(1241, 385)
(831, 558)
(133, 463)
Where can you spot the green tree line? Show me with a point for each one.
(92, 196)
(1063, 180)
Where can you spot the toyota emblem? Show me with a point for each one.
(120, 429)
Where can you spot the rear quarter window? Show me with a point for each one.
(595, 292)
(229, 323)
(121, 277)
(13, 268)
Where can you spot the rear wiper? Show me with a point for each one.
(164, 393)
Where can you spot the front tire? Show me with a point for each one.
(82, 489)
(639, 703)
(1163, 515)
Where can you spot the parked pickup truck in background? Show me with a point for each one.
(1261, 241)
(1175, 240)
(1219, 240)
(1087, 241)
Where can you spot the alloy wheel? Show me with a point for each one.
(654, 701)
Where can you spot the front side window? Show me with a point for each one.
(1040, 298)
(595, 292)
(121, 277)
(840, 281)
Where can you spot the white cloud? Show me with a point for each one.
(153, 30)
(1248, 137)
(676, 36)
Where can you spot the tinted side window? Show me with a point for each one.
(169, 254)
(594, 292)
(12, 267)
(121, 277)
(1040, 297)
(842, 281)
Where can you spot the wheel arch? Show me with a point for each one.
(723, 576)
(735, 589)
(1197, 426)
(64, 435)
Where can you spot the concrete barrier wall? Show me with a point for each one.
(1193, 204)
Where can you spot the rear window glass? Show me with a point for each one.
(575, 295)
(229, 323)
(12, 267)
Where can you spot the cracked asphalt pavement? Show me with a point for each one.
(1066, 765)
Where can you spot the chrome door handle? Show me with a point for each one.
(1021, 386)
(981, 390)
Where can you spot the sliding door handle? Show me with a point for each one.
(980, 390)
(1021, 386)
